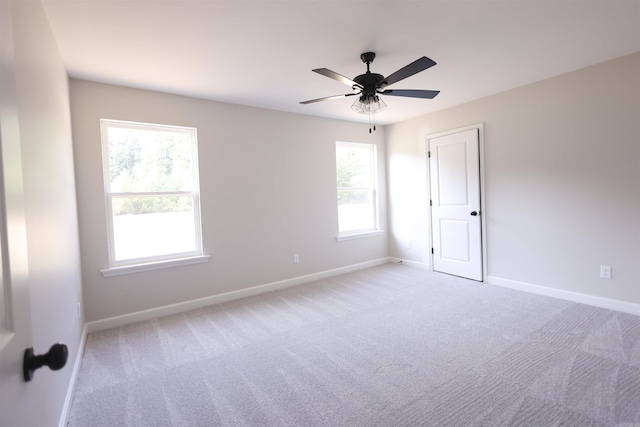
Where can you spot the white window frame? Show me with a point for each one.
(373, 189)
(117, 267)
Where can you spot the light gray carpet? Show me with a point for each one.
(386, 346)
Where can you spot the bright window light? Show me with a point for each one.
(356, 178)
(152, 192)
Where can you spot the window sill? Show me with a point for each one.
(359, 235)
(137, 268)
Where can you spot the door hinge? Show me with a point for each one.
(430, 202)
(429, 154)
(432, 250)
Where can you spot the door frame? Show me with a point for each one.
(483, 209)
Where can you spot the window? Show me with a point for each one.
(152, 192)
(357, 196)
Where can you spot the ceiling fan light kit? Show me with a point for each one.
(369, 86)
(368, 105)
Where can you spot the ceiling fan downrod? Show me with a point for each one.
(368, 58)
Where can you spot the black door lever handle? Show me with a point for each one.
(474, 213)
(55, 359)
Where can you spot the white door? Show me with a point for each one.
(15, 316)
(454, 166)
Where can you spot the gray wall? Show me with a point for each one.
(562, 160)
(50, 209)
(267, 182)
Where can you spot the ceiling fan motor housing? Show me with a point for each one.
(370, 82)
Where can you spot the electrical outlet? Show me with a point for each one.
(605, 271)
(409, 244)
(79, 311)
(296, 258)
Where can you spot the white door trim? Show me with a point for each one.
(483, 208)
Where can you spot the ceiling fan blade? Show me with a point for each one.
(335, 76)
(409, 70)
(411, 93)
(326, 98)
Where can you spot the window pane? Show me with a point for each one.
(145, 160)
(356, 210)
(356, 186)
(152, 226)
(353, 165)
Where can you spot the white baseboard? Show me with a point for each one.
(126, 319)
(410, 263)
(611, 304)
(74, 375)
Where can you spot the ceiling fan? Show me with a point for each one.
(369, 85)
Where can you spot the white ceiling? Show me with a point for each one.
(261, 53)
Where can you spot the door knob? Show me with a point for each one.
(474, 213)
(55, 359)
